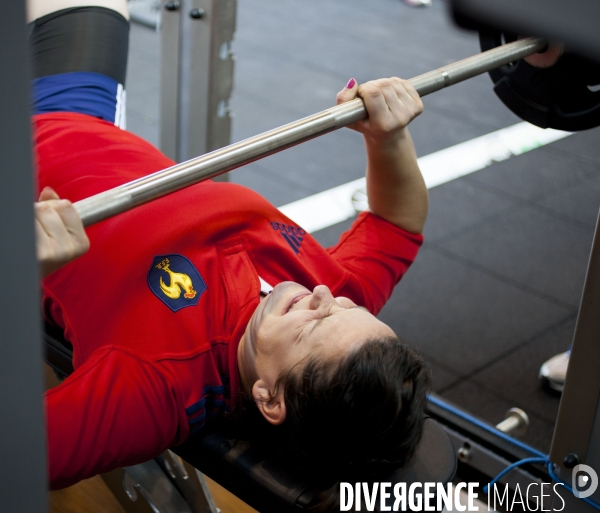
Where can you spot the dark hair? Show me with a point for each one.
(350, 420)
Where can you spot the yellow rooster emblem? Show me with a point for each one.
(179, 282)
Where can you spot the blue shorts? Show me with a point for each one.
(84, 92)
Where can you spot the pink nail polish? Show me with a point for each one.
(350, 83)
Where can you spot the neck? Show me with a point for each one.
(241, 361)
(245, 360)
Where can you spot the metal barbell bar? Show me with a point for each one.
(125, 197)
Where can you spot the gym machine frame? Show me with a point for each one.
(481, 448)
(196, 81)
(23, 485)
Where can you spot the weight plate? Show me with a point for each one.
(565, 96)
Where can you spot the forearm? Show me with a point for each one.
(395, 187)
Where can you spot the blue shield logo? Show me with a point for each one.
(175, 281)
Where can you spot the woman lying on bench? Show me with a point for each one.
(170, 312)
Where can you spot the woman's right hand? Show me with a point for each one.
(60, 236)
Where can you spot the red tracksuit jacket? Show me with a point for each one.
(156, 308)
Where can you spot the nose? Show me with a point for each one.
(321, 297)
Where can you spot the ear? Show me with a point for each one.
(272, 407)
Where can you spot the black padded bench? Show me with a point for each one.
(267, 485)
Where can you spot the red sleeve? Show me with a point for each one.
(377, 254)
(115, 410)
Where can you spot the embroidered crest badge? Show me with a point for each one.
(175, 281)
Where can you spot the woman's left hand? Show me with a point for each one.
(392, 103)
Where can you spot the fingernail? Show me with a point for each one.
(350, 83)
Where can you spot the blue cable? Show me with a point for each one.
(549, 465)
(539, 458)
(482, 425)
(511, 467)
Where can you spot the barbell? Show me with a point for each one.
(143, 190)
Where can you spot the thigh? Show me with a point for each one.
(79, 60)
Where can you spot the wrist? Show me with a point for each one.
(388, 142)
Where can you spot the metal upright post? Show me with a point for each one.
(23, 481)
(196, 76)
(577, 433)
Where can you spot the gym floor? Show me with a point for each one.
(496, 288)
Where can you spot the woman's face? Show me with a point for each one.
(293, 323)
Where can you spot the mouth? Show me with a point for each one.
(294, 300)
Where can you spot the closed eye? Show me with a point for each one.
(323, 318)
